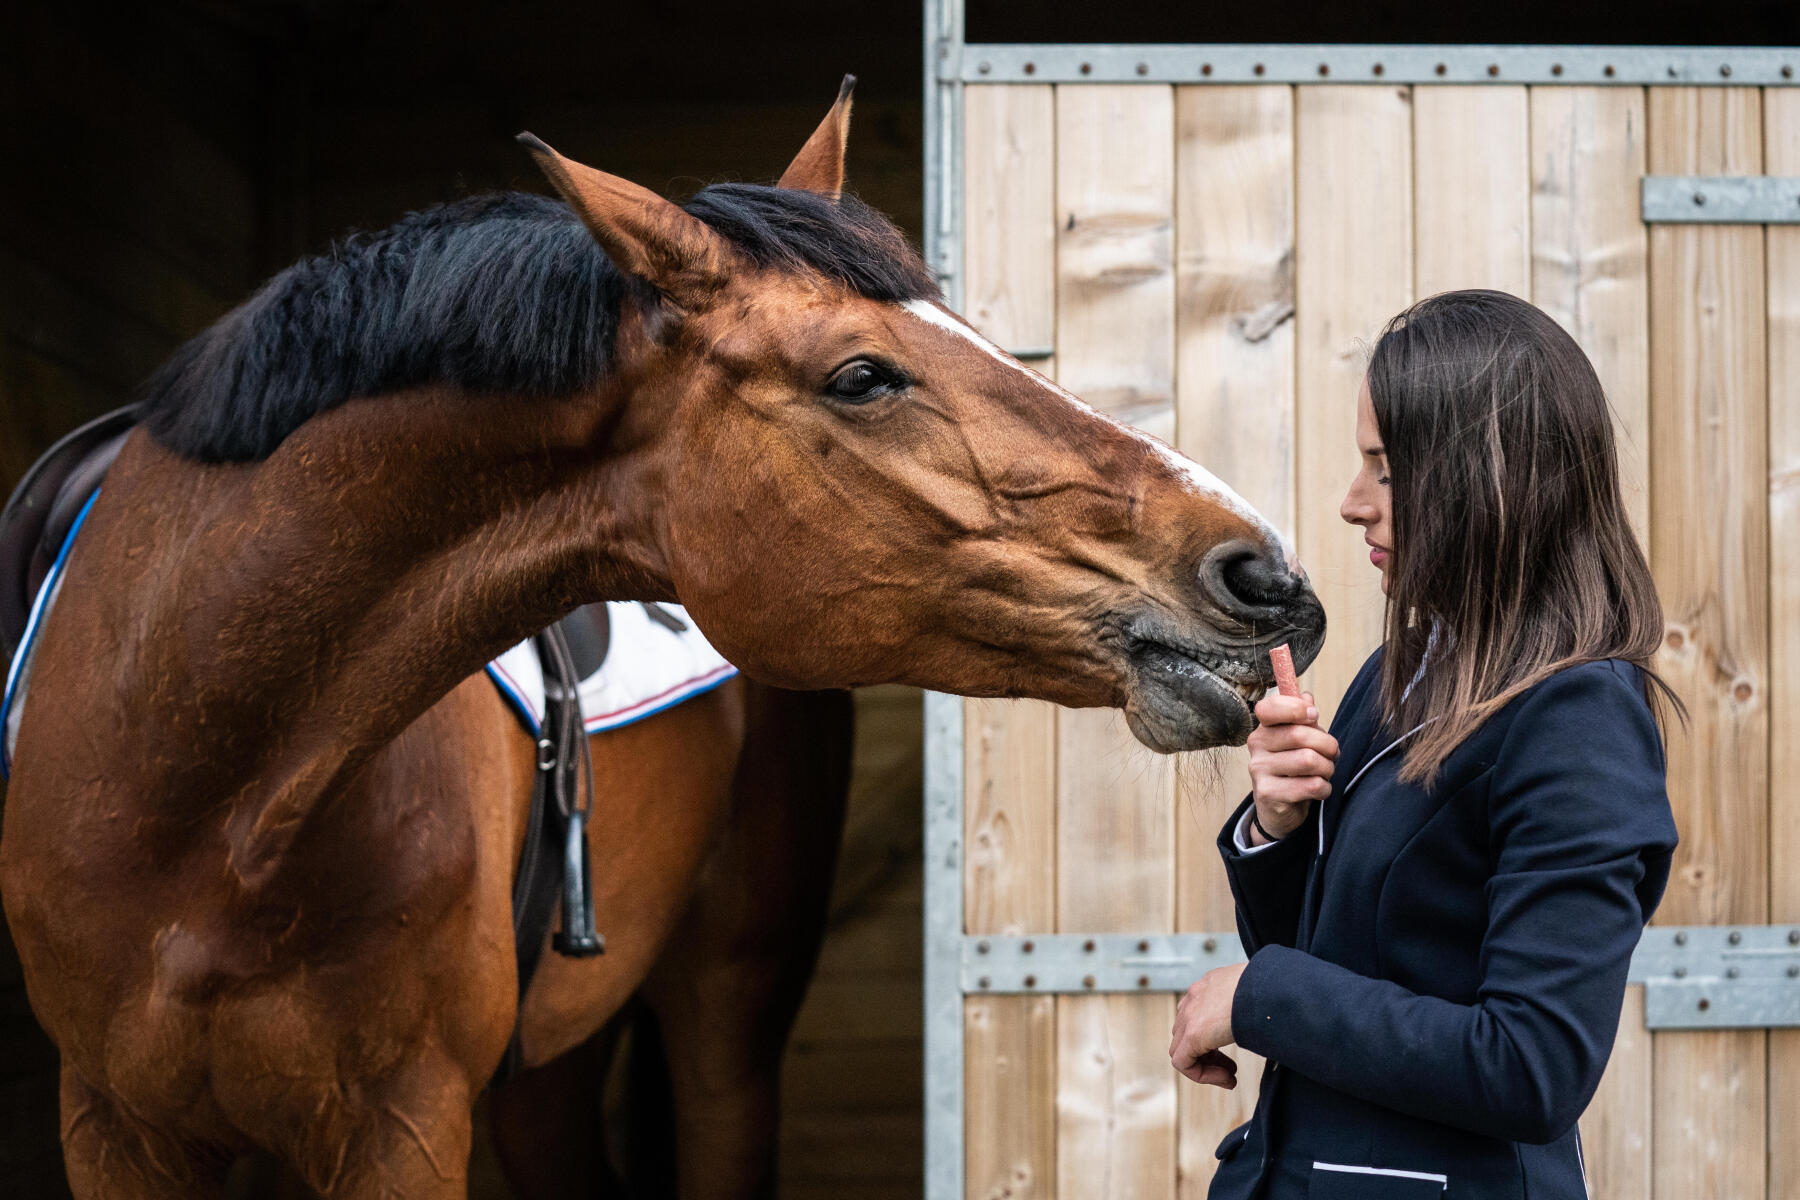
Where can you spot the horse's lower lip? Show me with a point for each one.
(1180, 703)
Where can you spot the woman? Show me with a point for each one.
(1438, 944)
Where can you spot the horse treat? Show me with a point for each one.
(1286, 682)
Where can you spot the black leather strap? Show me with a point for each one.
(561, 754)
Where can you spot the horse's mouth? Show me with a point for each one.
(1183, 696)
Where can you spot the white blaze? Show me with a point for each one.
(1196, 477)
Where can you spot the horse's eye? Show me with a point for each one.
(862, 381)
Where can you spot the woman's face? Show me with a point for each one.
(1369, 504)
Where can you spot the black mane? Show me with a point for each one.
(503, 293)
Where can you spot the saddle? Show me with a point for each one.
(37, 526)
(37, 519)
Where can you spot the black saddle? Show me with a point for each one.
(37, 518)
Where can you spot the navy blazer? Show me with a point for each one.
(1435, 976)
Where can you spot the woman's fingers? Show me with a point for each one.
(1285, 710)
(1215, 1067)
(1275, 738)
(1292, 763)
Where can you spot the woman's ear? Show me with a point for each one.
(644, 234)
(819, 167)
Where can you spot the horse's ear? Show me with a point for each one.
(644, 234)
(819, 167)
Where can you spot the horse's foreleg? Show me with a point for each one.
(547, 1126)
(726, 990)
(111, 1155)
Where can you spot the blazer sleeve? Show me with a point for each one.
(1270, 885)
(1581, 836)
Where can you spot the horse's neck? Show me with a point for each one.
(304, 610)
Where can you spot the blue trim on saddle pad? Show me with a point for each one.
(509, 691)
(15, 670)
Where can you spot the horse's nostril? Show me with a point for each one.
(1241, 576)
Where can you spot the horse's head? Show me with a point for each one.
(856, 487)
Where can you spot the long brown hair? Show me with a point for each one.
(1512, 555)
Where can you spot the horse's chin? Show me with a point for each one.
(1177, 704)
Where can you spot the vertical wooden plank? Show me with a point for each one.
(1590, 271)
(1009, 1100)
(1234, 235)
(1354, 271)
(1615, 1130)
(1115, 245)
(1115, 801)
(1009, 772)
(1471, 167)
(1781, 124)
(1709, 547)
(1590, 254)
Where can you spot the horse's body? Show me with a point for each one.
(263, 822)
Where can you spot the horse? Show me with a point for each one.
(264, 815)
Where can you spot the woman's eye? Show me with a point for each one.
(861, 382)
(1384, 481)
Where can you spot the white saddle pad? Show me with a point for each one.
(648, 667)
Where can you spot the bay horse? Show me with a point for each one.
(263, 818)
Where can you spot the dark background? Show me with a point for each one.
(157, 160)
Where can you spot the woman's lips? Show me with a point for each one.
(1377, 555)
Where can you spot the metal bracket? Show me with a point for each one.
(1098, 962)
(1719, 976)
(1636, 66)
(1695, 977)
(1721, 199)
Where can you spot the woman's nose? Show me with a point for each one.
(1355, 510)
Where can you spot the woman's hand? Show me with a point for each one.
(1291, 761)
(1202, 1025)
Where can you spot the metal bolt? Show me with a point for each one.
(982, 983)
(981, 947)
(1731, 972)
(1705, 1004)
(1609, 71)
(1681, 937)
(1441, 68)
(1556, 68)
(1258, 68)
(985, 67)
(1087, 68)
(1681, 972)
(1794, 937)
(1324, 69)
(1734, 937)
(1143, 947)
(1031, 68)
(1206, 68)
(1493, 69)
(1028, 947)
(1087, 981)
(1787, 72)
(1031, 981)
(1210, 945)
(1143, 68)
(1143, 981)
(1088, 946)
(1699, 197)
(1379, 69)
(1725, 70)
(1794, 971)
